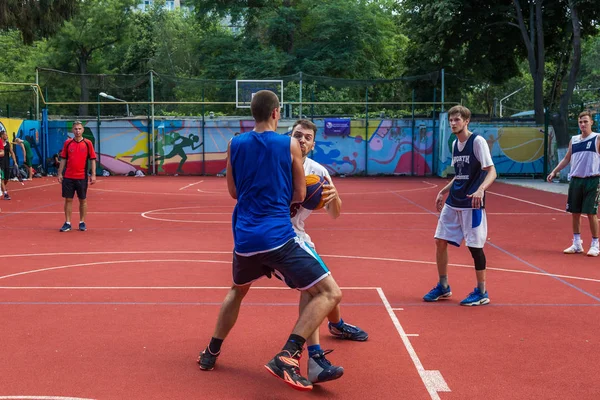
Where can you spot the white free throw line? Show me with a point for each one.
(432, 379)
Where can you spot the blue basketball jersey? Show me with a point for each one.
(262, 172)
(468, 175)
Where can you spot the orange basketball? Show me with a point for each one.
(314, 190)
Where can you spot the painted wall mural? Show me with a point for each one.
(515, 149)
(25, 130)
(386, 146)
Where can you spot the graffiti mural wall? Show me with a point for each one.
(384, 147)
(27, 131)
(516, 149)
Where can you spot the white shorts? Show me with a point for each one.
(469, 224)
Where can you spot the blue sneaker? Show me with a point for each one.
(438, 292)
(66, 227)
(321, 370)
(349, 332)
(476, 298)
(82, 227)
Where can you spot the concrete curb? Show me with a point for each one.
(538, 184)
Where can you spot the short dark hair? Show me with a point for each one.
(464, 112)
(305, 123)
(262, 105)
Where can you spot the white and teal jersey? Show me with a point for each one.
(299, 213)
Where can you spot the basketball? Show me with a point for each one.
(314, 189)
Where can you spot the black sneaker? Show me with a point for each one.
(348, 332)
(66, 227)
(82, 226)
(320, 368)
(207, 360)
(6, 196)
(285, 367)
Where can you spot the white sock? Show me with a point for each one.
(576, 237)
(594, 242)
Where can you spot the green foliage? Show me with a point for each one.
(35, 19)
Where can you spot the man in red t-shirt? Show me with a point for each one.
(75, 155)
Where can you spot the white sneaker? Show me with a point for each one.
(593, 251)
(576, 247)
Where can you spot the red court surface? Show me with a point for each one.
(122, 310)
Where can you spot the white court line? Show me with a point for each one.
(147, 215)
(399, 260)
(432, 379)
(144, 193)
(191, 184)
(229, 213)
(398, 309)
(412, 334)
(528, 202)
(105, 263)
(34, 187)
(162, 288)
(465, 266)
(42, 398)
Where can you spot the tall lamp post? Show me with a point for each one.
(506, 97)
(108, 96)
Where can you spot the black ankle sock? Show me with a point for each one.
(215, 345)
(294, 344)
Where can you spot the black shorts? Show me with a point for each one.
(6, 169)
(70, 186)
(295, 263)
(583, 195)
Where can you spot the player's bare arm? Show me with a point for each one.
(439, 200)
(299, 181)
(93, 177)
(61, 167)
(23, 149)
(563, 163)
(229, 174)
(477, 196)
(333, 203)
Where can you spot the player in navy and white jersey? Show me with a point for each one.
(463, 214)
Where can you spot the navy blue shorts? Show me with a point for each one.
(70, 186)
(295, 263)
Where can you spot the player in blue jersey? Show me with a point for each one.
(584, 190)
(463, 214)
(265, 175)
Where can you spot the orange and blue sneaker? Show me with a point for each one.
(285, 366)
(207, 360)
(320, 368)
(438, 292)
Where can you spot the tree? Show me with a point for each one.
(502, 33)
(35, 19)
(100, 24)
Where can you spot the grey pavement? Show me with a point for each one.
(538, 184)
